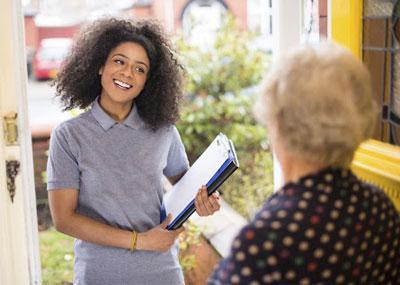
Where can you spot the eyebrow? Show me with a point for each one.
(137, 61)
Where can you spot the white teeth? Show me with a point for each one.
(122, 84)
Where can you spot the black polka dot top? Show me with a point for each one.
(328, 228)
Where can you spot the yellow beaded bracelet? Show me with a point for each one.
(133, 240)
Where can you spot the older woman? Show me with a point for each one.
(324, 226)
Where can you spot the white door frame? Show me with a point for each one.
(19, 258)
(286, 33)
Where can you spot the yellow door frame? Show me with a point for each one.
(374, 161)
(346, 24)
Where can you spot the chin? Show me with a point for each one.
(122, 98)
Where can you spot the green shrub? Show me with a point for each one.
(188, 239)
(216, 103)
(249, 187)
(203, 118)
(227, 67)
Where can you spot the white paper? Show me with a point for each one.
(204, 168)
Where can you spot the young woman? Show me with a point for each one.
(105, 166)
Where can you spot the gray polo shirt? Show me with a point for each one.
(118, 169)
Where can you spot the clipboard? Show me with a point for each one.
(212, 168)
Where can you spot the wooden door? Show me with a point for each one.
(19, 254)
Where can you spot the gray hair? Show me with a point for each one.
(320, 99)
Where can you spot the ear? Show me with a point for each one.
(101, 70)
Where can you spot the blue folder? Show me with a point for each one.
(214, 166)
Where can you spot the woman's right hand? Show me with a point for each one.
(158, 238)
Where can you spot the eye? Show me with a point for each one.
(140, 69)
(119, 61)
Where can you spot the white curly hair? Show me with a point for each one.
(319, 97)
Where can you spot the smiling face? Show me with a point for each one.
(124, 74)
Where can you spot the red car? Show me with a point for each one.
(49, 57)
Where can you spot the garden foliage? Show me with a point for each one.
(220, 100)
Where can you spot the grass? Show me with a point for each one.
(57, 257)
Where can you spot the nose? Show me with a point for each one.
(127, 71)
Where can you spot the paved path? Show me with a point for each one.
(44, 110)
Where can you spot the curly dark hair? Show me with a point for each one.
(78, 83)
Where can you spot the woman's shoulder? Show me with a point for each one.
(375, 197)
(71, 124)
(273, 214)
(168, 130)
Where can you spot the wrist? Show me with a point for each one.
(127, 240)
(133, 246)
(140, 241)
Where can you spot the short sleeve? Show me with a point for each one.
(177, 161)
(62, 165)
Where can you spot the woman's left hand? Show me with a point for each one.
(206, 205)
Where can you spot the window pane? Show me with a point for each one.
(378, 8)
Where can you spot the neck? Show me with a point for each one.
(118, 112)
(293, 168)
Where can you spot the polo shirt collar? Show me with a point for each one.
(133, 119)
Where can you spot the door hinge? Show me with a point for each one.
(12, 167)
(10, 129)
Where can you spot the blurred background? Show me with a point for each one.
(225, 47)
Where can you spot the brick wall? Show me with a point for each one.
(239, 10)
(57, 32)
(31, 33)
(40, 145)
(141, 12)
(156, 10)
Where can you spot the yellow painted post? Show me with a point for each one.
(374, 161)
(346, 24)
(379, 163)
